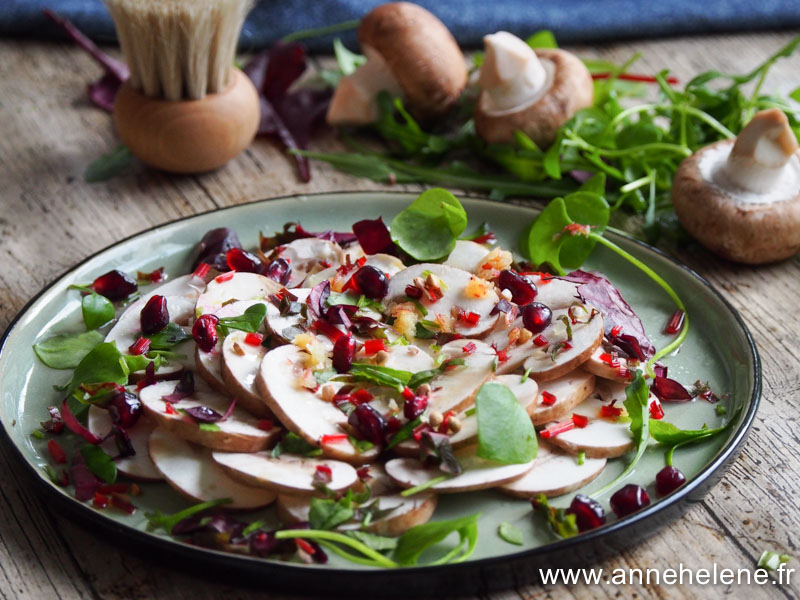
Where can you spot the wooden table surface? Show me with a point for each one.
(51, 218)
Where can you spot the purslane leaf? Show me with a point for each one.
(66, 351)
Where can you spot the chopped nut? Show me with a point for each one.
(424, 390)
(497, 260)
(418, 282)
(507, 294)
(454, 425)
(381, 357)
(328, 391)
(513, 336)
(237, 349)
(525, 336)
(433, 282)
(435, 418)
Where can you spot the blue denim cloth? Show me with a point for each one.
(572, 21)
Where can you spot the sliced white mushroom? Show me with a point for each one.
(604, 365)
(234, 287)
(240, 362)
(554, 473)
(287, 326)
(568, 391)
(478, 473)
(454, 390)
(408, 358)
(239, 433)
(466, 256)
(138, 466)
(457, 292)
(286, 473)
(387, 263)
(405, 512)
(301, 410)
(191, 471)
(309, 255)
(602, 437)
(552, 361)
(554, 292)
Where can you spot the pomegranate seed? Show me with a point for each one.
(656, 411)
(610, 411)
(668, 480)
(548, 399)
(100, 501)
(202, 270)
(279, 270)
(580, 421)
(155, 315)
(469, 348)
(414, 407)
(204, 332)
(332, 439)
(140, 346)
(413, 292)
(589, 513)
(669, 390)
(675, 323)
(371, 281)
(224, 277)
(374, 346)
(253, 339)
(114, 285)
(124, 408)
(502, 356)
(369, 423)
(629, 499)
(616, 330)
(536, 317)
(344, 351)
(523, 290)
(557, 428)
(305, 546)
(540, 341)
(243, 261)
(265, 424)
(57, 452)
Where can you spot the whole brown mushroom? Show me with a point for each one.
(741, 198)
(410, 53)
(535, 92)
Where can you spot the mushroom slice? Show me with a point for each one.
(533, 92)
(194, 474)
(478, 474)
(466, 256)
(139, 466)
(309, 255)
(408, 358)
(404, 514)
(604, 364)
(555, 292)
(601, 438)
(563, 355)
(231, 287)
(741, 199)
(554, 473)
(409, 52)
(238, 433)
(302, 411)
(240, 362)
(286, 326)
(568, 390)
(454, 390)
(286, 473)
(459, 289)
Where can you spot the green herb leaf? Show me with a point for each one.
(250, 321)
(109, 165)
(505, 432)
(376, 542)
(404, 433)
(348, 61)
(158, 520)
(294, 444)
(208, 427)
(562, 524)
(429, 227)
(172, 335)
(66, 351)
(544, 237)
(102, 364)
(393, 378)
(669, 434)
(510, 533)
(328, 513)
(99, 463)
(418, 539)
(97, 310)
(542, 39)
(421, 377)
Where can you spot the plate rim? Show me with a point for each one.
(84, 513)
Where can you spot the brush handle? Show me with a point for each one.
(189, 136)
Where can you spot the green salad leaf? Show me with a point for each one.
(168, 337)
(97, 310)
(328, 513)
(65, 351)
(99, 463)
(158, 520)
(103, 364)
(510, 533)
(505, 432)
(250, 321)
(417, 540)
(428, 229)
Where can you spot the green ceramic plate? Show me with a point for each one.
(718, 350)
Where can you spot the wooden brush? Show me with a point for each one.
(185, 108)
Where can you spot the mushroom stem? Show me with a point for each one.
(761, 151)
(511, 74)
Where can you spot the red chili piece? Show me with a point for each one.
(374, 346)
(140, 346)
(675, 323)
(253, 339)
(580, 420)
(548, 399)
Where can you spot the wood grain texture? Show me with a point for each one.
(51, 218)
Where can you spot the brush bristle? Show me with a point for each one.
(179, 49)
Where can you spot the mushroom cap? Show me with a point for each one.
(570, 90)
(421, 53)
(746, 232)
